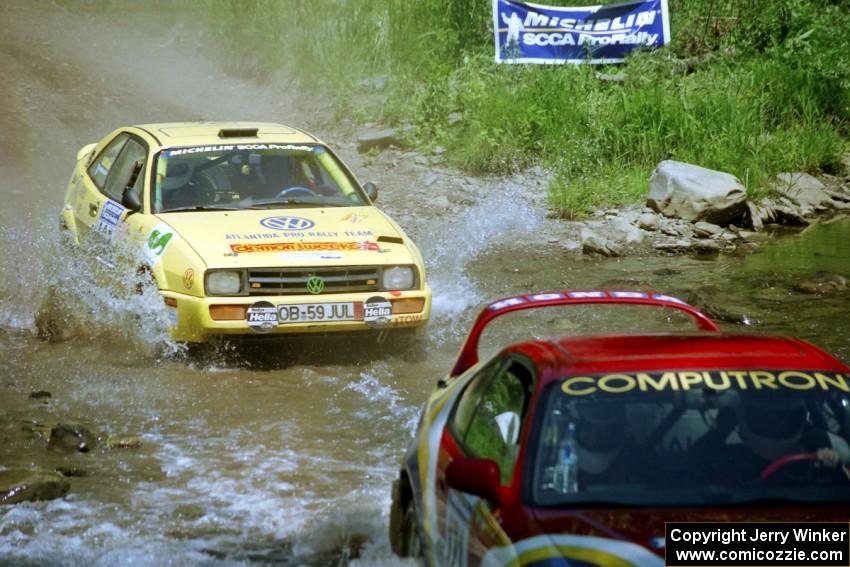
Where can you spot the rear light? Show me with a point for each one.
(228, 312)
(171, 302)
(411, 305)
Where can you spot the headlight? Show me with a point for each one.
(224, 282)
(399, 277)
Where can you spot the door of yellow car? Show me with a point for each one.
(99, 197)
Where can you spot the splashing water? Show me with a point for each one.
(451, 244)
(59, 291)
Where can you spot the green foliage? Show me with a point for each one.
(752, 88)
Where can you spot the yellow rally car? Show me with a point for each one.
(248, 228)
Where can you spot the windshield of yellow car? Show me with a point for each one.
(251, 176)
(685, 438)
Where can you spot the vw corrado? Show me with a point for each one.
(576, 450)
(248, 228)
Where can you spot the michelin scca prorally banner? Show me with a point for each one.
(532, 33)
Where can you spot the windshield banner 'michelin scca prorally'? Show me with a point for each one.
(531, 33)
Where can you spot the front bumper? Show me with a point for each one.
(192, 320)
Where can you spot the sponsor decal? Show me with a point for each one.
(234, 147)
(159, 238)
(188, 278)
(303, 246)
(315, 285)
(407, 318)
(531, 33)
(718, 380)
(261, 317)
(110, 217)
(377, 311)
(287, 223)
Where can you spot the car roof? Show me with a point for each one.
(171, 134)
(688, 351)
(708, 349)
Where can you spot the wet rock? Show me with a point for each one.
(706, 246)
(707, 229)
(694, 193)
(751, 236)
(592, 243)
(648, 221)
(123, 442)
(71, 437)
(24, 485)
(823, 283)
(379, 139)
(708, 299)
(571, 246)
(675, 247)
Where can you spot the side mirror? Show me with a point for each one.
(129, 198)
(371, 191)
(480, 477)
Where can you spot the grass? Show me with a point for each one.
(751, 88)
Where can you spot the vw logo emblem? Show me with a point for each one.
(287, 223)
(315, 284)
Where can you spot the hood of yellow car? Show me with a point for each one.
(291, 237)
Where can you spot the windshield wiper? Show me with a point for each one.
(265, 202)
(202, 208)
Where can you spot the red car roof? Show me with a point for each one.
(697, 351)
(708, 349)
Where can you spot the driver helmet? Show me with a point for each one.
(771, 428)
(600, 433)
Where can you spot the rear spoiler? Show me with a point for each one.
(469, 352)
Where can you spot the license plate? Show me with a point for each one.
(315, 313)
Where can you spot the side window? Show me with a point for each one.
(470, 398)
(101, 166)
(494, 428)
(120, 172)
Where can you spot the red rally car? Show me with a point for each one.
(576, 450)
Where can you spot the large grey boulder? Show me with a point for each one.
(694, 193)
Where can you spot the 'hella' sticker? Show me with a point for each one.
(262, 317)
(377, 311)
(287, 223)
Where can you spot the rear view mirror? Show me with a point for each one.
(371, 190)
(480, 477)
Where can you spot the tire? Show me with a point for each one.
(411, 540)
(396, 518)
